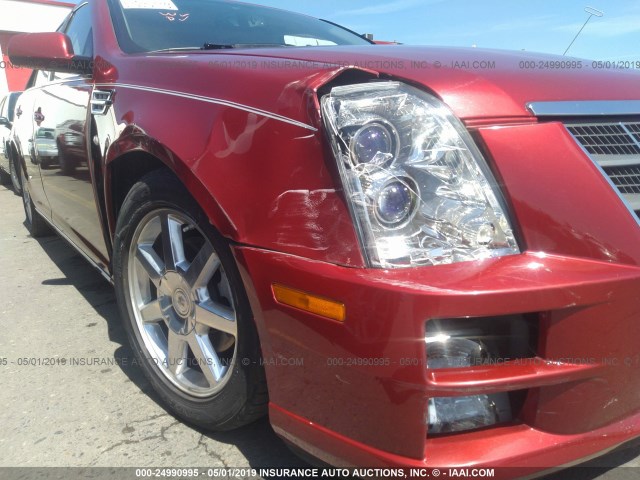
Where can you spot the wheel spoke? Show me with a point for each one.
(217, 317)
(150, 262)
(207, 359)
(176, 352)
(172, 244)
(203, 267)
(151, 312)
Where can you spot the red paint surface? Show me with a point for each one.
(272, 187)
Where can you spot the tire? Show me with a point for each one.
(36, 225)
(16, 181)
(185, 309)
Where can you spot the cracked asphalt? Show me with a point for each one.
(97, 409)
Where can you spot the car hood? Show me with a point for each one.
(479, 83)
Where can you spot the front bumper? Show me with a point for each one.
(353, 394)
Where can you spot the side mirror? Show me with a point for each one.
(4, 121)
(47, 51)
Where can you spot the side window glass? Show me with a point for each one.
(79, 31)
(2, 109)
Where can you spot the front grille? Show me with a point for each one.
(608, 139)
(615, 147)
(634, 128)
(627, 179)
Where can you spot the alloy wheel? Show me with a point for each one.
(182, 302)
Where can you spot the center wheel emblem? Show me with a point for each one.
(180, 310)
(181, 303)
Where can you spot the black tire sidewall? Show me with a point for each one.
(220, 411)
(16, 180)
(37, 226)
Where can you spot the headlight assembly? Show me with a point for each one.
(418, 188)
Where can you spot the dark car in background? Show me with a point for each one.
(8, 170)
(69, 144)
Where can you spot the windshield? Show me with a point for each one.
(151, 25)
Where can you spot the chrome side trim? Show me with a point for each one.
(101, 100)
(589, 108)
(609, 161)
(216, 101)
(622, 198)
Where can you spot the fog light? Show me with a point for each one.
(455, 414)
(444, 351)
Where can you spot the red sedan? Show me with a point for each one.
(407, 256)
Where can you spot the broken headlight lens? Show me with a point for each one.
(418, 187)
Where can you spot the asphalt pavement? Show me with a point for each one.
(72, 396)
(70, 393)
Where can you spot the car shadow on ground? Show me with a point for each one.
(604, 467)
(257, 442)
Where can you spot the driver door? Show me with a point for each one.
(61, 110)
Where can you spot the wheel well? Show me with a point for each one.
(125, 173)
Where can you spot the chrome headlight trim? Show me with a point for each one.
(459, 215)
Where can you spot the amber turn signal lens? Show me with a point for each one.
(309, 303)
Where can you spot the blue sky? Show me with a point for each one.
(535, 25)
